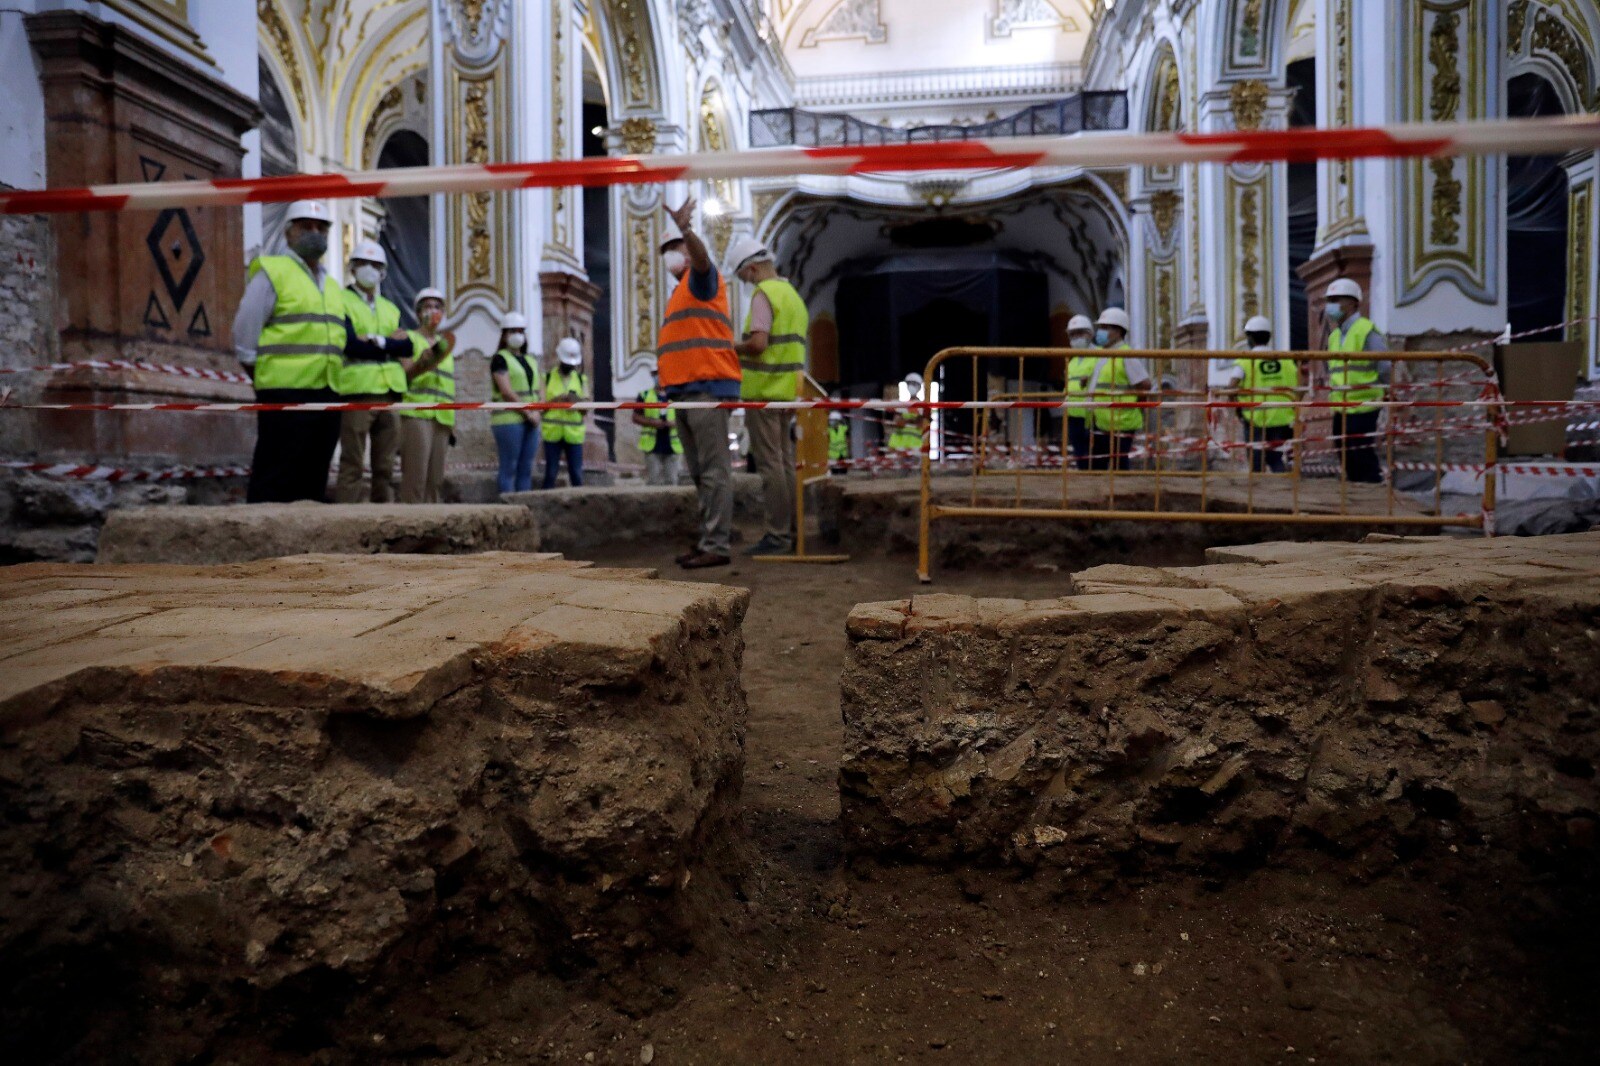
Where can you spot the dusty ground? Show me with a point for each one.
(824, 963)
(818, 961)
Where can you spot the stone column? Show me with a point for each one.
(158, 285)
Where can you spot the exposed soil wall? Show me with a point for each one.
(261, 788)
(1377, 702)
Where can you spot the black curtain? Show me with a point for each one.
(1302, 78)
(407, 235)
(894, 315)
(1536, 220)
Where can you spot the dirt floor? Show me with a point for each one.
(823, 961)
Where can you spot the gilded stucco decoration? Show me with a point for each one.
(1164, 204)
(763, 201)
(475, 118)
(628, 22)
(475, 28)
(1444, 104)
(560, 199)
(638, 135)
(1247, 100)
(1516, 26)
(643, 257)
(1165, 108)
(1250, 252)
(280, 43)
(1581, 261)
(1552, 36)
(848, 20)
(389, 105)
(1438, 238)
(1250, 29)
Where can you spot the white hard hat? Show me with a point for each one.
(746, 249)
(430, 293)
(312, 209)
(914, 378)
(1080, 324)
(1114, 316)
(673, 234)
(371, 252)
(569, 351)
(514, 320)
(1258, 324)
(1345, 287)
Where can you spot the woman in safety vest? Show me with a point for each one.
(563, 429)
(1080, 368)
(1266, 381)
(658, 437)
(425, 436)
(905, 431)
(516, 380)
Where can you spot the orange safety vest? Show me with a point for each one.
(696, 338)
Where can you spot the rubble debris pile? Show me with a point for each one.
(1376, 703)
(241, 533)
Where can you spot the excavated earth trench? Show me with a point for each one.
(1303, 802)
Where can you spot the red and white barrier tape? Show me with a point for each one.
(1544, 136)
(1555, 407)
(1528, 333)
(202, 373)
(91, 472)
(1530, 469)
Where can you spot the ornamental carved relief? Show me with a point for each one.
(638, 135)
(1552, 35)
(630, 29)
(1250, 29)
(1164, 212)
(1580, 261)
(475, 118)
(1444, 105)
(271, 22)
(1250, 251)
(1248, 102)
(1516, 25)
(642, 251)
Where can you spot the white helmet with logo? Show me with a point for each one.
(1114, 316)
(570, 352)
(746, 250)
(1080, 324)
(371, 252)
(1258, 324)
(314, 210)
(1345, 287)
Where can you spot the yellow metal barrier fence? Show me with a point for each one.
(1197, 453)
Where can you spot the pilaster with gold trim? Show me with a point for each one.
(1583, 256)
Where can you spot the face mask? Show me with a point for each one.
(676, 262)
(430, 316)
(310, 245)
(1335, 313)
(516, 340)
(1078, 342)
(1102, 337)
(368, 276)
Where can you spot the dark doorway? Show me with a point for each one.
(597, 262)
(1302, 178)
(407, 235)
(1536, 220)
(897, 312)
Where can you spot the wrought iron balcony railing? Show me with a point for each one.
(1077, 113)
